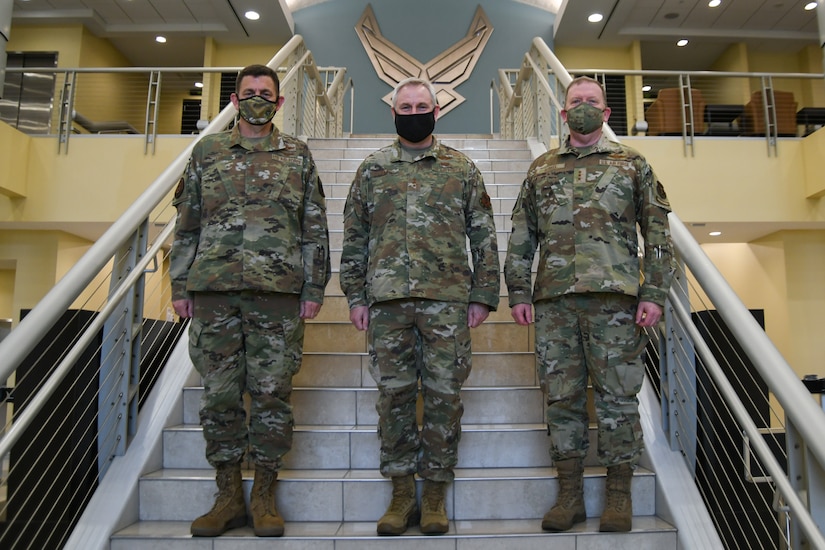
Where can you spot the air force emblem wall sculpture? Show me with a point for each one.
(446, 71)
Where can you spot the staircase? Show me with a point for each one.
(330, 491)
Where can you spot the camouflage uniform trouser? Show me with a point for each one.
(591, 334)
(411, 340)
(246, 342)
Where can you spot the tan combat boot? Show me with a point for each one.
(229, 510)
(403, 509)
(433, 513)
(266, 521)
(618, 510)
(569, 507)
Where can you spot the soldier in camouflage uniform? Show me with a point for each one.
(249, 264)
(405, 272)
(581, 204)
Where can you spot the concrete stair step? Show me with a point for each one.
(363, 495)
(490, 369)
(357, 447)
(649, 533)
(341, 336)
(356, 406)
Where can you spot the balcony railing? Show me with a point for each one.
(148, 102)
(690, 105)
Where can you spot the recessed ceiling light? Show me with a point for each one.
(810, 6)
(595, 17)
(252, 15)
(198, 84)
(715, 233)
(683, 42)
(714, 3)
(160, 39)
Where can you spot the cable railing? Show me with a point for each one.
(731, 405)
(747, 427)
(688, 105)
(82, 362)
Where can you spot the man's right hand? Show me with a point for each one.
(522, 313)
(184, 308)
(360, 317)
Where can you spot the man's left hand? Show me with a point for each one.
(309, 310)
(648, 314)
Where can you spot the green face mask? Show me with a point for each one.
(585, 118)
(257, 110)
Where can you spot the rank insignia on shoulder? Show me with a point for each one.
(485, 201)
(179, 188)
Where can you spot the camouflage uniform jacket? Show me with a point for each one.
(251, 216)
(582, 210)
(406, 223)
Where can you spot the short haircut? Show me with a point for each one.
(414, 81)
(582, 80)
(255, 71)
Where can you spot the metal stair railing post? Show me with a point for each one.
(678, 375)
(769, 113)
(152, 104)
(119, 378)
(686, 97)
(66, 112)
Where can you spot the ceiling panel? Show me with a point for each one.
(109, 12)
(174, 11)
(142, 12)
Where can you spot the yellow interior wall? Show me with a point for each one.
(727, 90)
(35, 254)
(804, 266)
(804, 91)
(6, 293)
(756, 273)
(114, 171)
(710, 187)
(14, 148)
(813, 92)
(814, 163)
(782, 275)
(65, 39)
(597, 58)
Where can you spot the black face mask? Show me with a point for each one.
(415, 128)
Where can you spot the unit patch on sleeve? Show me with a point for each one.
(485, 201)
(179, 188)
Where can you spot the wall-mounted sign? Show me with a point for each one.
(446, 70)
